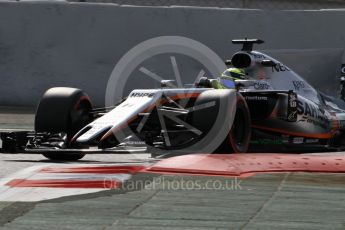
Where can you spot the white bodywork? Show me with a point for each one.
(138, 101)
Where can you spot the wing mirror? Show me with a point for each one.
(268, 63)
(168, 84)
(228, 62)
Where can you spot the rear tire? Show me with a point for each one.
(66, 110)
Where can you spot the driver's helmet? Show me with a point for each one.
(228, 77)
(234, 73)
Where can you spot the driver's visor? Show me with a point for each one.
(237, 75)
(228, 83)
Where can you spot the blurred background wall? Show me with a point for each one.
(58, 43)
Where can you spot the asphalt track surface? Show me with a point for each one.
(263, 201)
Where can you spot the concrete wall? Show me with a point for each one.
(248, 4)
(63, 44)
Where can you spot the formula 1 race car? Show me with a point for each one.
(273, 110)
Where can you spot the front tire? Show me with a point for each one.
(63, 110)
(238, 139)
